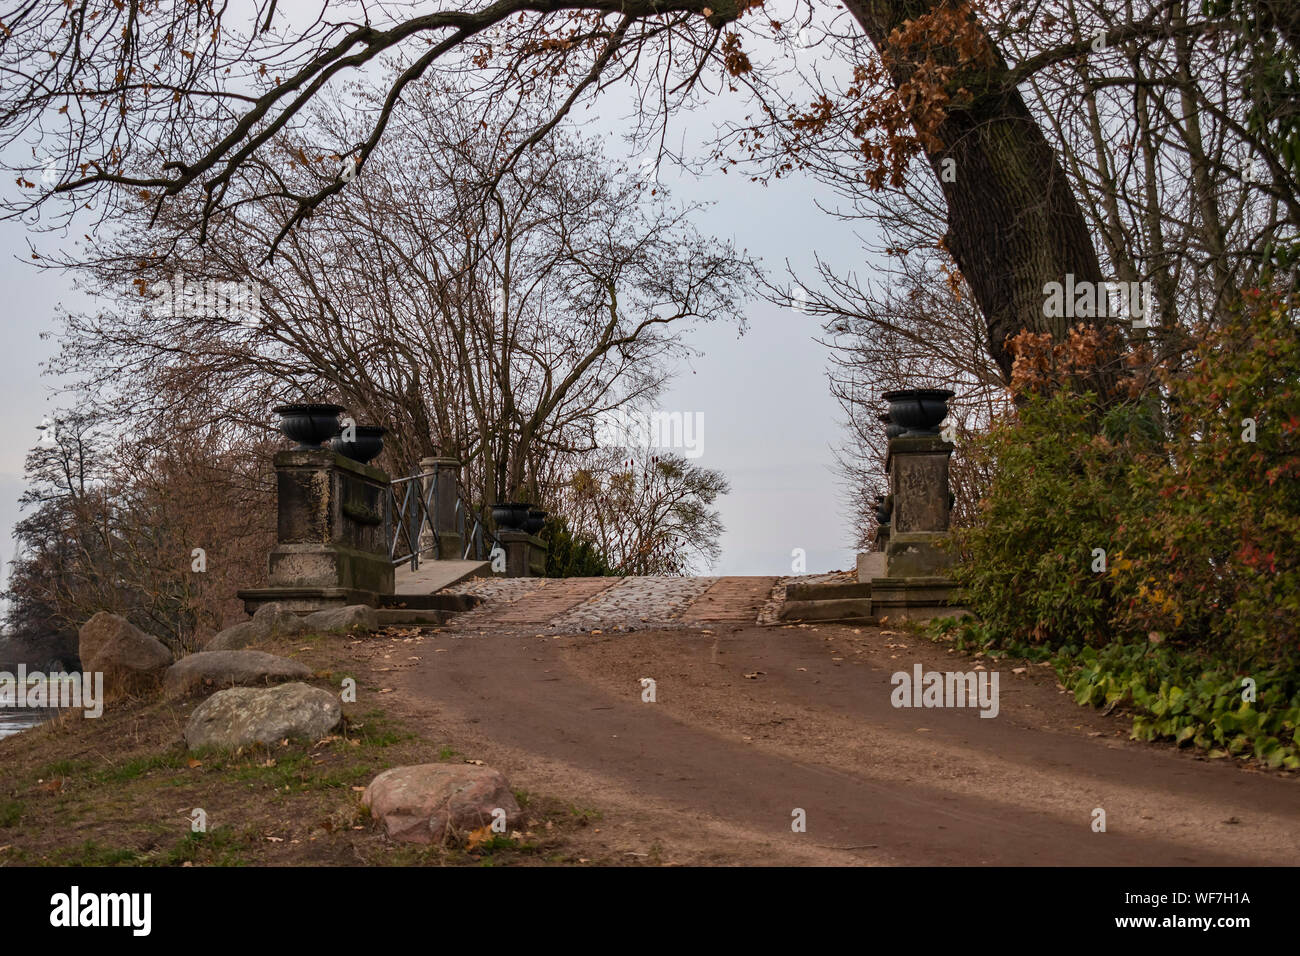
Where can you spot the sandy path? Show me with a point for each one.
(712, 771)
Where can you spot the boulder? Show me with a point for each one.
(239, 636)
(243, 716)
(279, 620)
(229, 669)
(131, 661)
(428, 802)
(354, 617)
(269, 621)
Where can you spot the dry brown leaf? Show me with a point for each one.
(481, 835)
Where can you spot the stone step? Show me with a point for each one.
(424, 617)
(827, 591)
(442, 601)
(838, 609)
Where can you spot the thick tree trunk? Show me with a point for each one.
(1013, 221)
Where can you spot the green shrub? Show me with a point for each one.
(1198, 525)
(1190, 488)
(568, 556)
(1213, 558)
(1027, 567)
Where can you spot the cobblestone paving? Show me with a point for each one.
(635, 604)
(566, 605)
(497, 590)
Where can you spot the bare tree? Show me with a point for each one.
(646, 513)
(494, 331)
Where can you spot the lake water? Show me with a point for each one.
(14, 719)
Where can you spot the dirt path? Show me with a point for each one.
(752, 723)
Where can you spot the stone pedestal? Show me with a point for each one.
(525, 554)
(913, 584)
(918, 489)
(446, 471)
(871, 564)
(331, 549)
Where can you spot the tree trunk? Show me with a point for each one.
(1014, 224)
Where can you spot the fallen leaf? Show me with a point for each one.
(194, 763)
(481, 835)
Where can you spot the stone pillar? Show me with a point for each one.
(331, 549)
(918, 487)
(447, 471)
(525, 554)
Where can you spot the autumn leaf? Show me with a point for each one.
(481, 835)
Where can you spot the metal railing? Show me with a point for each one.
(478, 538)
(410, 506)
(408, 512)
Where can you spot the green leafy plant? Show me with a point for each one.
(571, 556)
(1146, 544)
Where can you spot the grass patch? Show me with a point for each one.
(64, 768)
(11, 811)
(93, 853)
(141, 767)
(377, 729)
(220, 846)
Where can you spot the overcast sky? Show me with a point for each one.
(769, 422)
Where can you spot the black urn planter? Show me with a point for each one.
(311, 424)
(918, 411)
(365, 446)
(510, 515)
(891, 430)
(535, 521)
